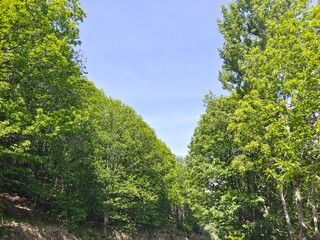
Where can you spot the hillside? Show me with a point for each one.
(20, 220)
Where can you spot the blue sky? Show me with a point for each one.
(158, 56)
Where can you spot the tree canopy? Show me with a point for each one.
(64, 144)
(252, 171)
(257, 161)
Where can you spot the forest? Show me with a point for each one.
(81, 157)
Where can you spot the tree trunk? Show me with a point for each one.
(105, 222)
(302, 224)
(177, 216)
(314, 210)
(286, 214)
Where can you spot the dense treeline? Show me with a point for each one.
(66, 146)
(254, 157)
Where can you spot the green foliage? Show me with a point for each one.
(253, 165)
(132, 166)
(253, 158)
(220, 192)
(39, 79)
(63, 143)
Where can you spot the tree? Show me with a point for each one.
(284, 80)
(40, 106)
(243, 27)
(272, 120)
(270, 67)
(225, 190)
(132, 167)
(63, 143)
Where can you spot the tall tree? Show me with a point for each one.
(39, 80)
(243, 27)
(272, 122)
(133, 168)
(270, 67)
(226, 190)
(284, 79)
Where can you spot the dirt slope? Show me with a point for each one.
(19, 220)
